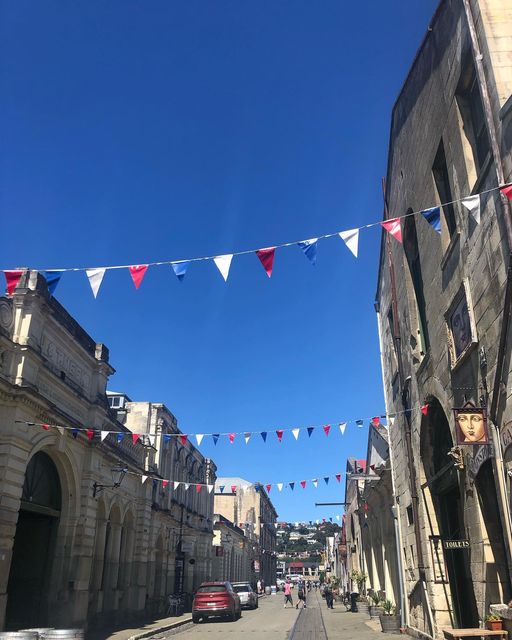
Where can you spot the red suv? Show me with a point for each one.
(216, 599)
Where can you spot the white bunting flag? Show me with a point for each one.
(315, 483)
(343, 426)
(151, 438)
(210, 487)
(391, 421)
(187, 486)
(144, 478)
(95, 279)
(176, 484)
(247, 437)
(223, 264)
(472, 204)
(317, 521)
(296, 433)
(351, 239)
(104, 434)
(61, 430)
(279, 486)
(199, 438)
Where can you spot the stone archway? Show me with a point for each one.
(34, 545)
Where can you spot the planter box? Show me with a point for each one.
(376, 612)
(390, 624)
(363, 607)
(494, 625)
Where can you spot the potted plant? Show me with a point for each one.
(494, 622)
(375, 605)
(389, 619)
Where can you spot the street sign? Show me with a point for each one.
(449, 545)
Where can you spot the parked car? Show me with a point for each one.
(248, 598)
(280, 583)
(216, 599)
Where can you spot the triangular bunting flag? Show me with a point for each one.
(221, 488)
(231, 437)
(279, 434)
(135, 437)
(433, 217)
(209, 487)
(151, 439)
(180, 269)
(327, 428)
(199, 438)
(165, 484)
(326, 479)
(52, 280)
(472, 204)
(74, 433)
(186, 485)
(338, 518)
(176, 484)
(338, 477)
(351, 239)
(507, 191)
(143, 478)
(315, 483)
(309, 247)
(264, 435)
(291, 485)
(183, 438)
(137, 272)
(359, 423)
(393, 228)
(223, 264)
(233, 488)
(12, 279)
(376, 421)
(198, 488)
(266, 257)
(257, 488)
(268, 487)
(247, 437)
(424, 409)
(104, 434)
(279, 486)
(167, 438)
(296, 433)
(391, 420)
(215, 437)
(46, 427)
(310, 431)
(303, 484)
(120, 437)
(95, 279)
(62, 430)
(343, 426)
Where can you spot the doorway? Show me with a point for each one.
(34, 545)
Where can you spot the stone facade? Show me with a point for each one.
(440, 304)
(76, 551)
(233, 552)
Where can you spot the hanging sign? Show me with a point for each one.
(471, 425)
(450, 545)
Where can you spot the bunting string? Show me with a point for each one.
(266, 256)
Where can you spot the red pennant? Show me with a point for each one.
(279, 434)
(303, 484)
(183, 439)
(376, 421)
(199, 487)
(393, 227)
(90, 434)
(507, 191)
(165, 484)
(266, 257)
(137, 272)
(12, 278)
(231, 437)
(327, 428)
(424, 409)
(135, 437)
(268, 486)
(372, 467)
(338, 477)
(46, 427)
(233, 488)
(365, 506)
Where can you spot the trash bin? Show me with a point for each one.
(353, 601)
(273, 589)
(268, 591)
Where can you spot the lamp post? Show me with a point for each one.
(118, 473)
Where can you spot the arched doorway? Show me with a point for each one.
(34, 544)
(443, 482)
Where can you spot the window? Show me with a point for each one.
(473, 116)
(442, 182)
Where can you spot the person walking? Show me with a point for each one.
(329, 598)
(301, 594)
(288, 594)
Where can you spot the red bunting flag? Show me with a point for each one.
(183, 439)
(90, 434)
(303, 484)
(372, 467)
(165, 484)
(424, 409)
(268, 486)
(266, 257)
(507, 191)
(135, 437)
(199, 487)
(12, 278)
(233, 488)
(231, 437)
(365, 506)
(376, 421)
(46, 427)
(338, 477)
(279, 434)
(327, 428)
(393, 227)
(137, 272)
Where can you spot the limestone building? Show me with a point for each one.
(443, 304)
(234, 553)
(249, 506)
(75, 550)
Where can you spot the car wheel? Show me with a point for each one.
(232, 616)
(257, 604)
(239, 613)
(196, 619)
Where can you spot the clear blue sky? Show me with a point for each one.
(142, 131)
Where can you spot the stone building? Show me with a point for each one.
(443, 304)
(354, 558)
(249, 506)
(83, 539)
(233, 552)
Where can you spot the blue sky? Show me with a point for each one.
(143, 131)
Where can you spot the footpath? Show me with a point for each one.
(152, 628)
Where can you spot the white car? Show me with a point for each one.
(248, 597)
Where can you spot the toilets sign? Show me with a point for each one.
(450, 545)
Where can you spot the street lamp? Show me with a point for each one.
(118, 473)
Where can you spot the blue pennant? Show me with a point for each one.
(433, 217)
(326, 479)
(52, 280)
(310, 249)
(359, 423)
(215, 437)
(310, 431)
(291, 485)
(120, 437)
(180, 269)
(167, 438)
(257, 487)
(264, 436)
(221, 488)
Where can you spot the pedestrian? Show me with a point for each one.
(288, 594)
(329, 598)
(258, 587)
(301, 594)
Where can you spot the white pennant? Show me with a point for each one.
(391, 421)
(247, 438)
(317, 521)
(296, 433)
(187, 485)
(223, 263)
(151, 438)
(343, 426)
(61, 430)
(210, 487)
(315, 483)
(338, 518)
(176, 484)
(104, 434)
(472, 204)
(199, 438)
(95, 279)
(144, 478)
(279, 486)
(351, 239)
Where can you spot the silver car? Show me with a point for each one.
(248, 598)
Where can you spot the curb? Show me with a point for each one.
(153, 632)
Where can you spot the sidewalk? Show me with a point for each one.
(144, 631)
